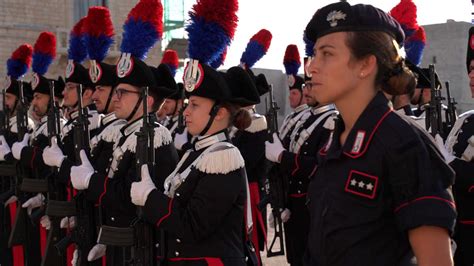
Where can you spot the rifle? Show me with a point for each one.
(275, 188)
(433, 115)
(19, 233)
(7, 169)
(84, 234)
(51, 256)
(451, 112)
(143, 247)
(23, 231)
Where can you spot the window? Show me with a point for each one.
(81, 7)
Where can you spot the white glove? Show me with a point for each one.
(11, 200)
(68, 222)
(180, 139)
(52, 155)
(19, 145)
(45, 222)
(33, 202)
(81, 175)
(75, 256)
(4, 148)
(447, 156)
(274, 150)
(140, 190)
(285, 215)
(270, 219)
(96, 252)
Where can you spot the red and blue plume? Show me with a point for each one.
(256, 48)
(308, 46)
(98, 32)
(415, 45)
(44, 51)
(292, 61)
(20, 61)
(143, 28)
(170, 58)
(405, 14)
(219, 61)
(211, 28)
(77, 49)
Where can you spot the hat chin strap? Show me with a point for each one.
(109, 99)
(135, 109)
(14, 108)
(213, 114)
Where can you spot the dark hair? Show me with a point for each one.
(239, 117)
(393, 76)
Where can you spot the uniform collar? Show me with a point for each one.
(108, 118)
(362, 133)
(301, 108)
(132, 127)
(322, 109)
(206, 141)
(405, 110)
(43, 119)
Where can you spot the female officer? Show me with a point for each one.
(381, 188)
(202, 205)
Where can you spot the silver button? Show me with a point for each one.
(299, 191)
(300, 182)
(178, 240)
(290, 181)
(157, 245)
(304, 152)
(177, 194)
(112, 218)
(176, 253)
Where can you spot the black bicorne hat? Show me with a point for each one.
(77, 73)
(103, 74)
(243, 89)
(165, 83)
(179, 93)
(133, 71)
(204, 81)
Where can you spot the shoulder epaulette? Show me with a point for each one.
(221, 161)
(162, 137)
(112, 132)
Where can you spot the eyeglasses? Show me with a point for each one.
(119, 92)
(307, 85)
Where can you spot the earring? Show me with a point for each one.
(361, 75)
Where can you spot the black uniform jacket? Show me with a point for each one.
(463, 187)
(365, 195)
(251, 144)
(205, 217)
(300, 165)
(113, 189)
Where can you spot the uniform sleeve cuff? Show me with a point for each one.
(427, 210)
(158, 207)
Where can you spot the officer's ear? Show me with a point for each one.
(87, 95)
(222, 113)
(367, 66)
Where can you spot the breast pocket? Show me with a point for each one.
(358, 199)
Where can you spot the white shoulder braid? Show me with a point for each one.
(259, 123)
(162, 137)
(112, 132)
(223, 160)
